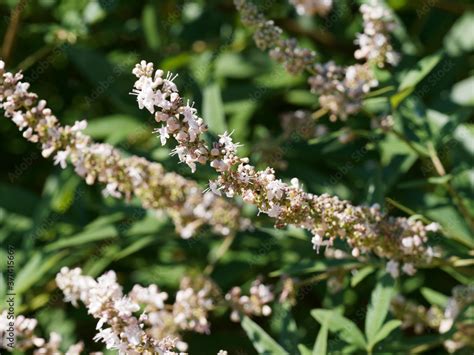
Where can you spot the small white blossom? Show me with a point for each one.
(392, 268)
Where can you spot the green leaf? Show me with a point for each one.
(124, 127)
(459, 40)
(463, 92)
(422, 69)
(262, 342)
(85, 237)
(378, 308)
(434, 297)
(361, 274)
(337, 323)
(304, 350)
(320, 347)
(35, 269)
(385, 331)
(150, 27)
(231, 65)
(213, 109)
(415, 76)
(283, 323)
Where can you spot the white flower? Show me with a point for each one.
(275, 189)
(445, 325)
(163, 132)
(60, 158)
(317, 241)
(19, 120)
(214, 187)
(136, 175)
(111, 190)
(125, 307)
(274, 211)
(133, 333)
(392, 268)
(226, 140)
(110, 339)
(407, 242)
(409, 269)
(433, 227)
(146, 96)
(79, 126)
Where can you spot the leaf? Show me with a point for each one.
(284, 324)
(150, 27)
(415, 76)
(463, 92)
(93, 12)
(459, 39)
(320, 347)
(434, 297)
(231, 65)
(361, 274)
(385, 331)
(262, 342)
(337, 323)
(87, 236)
(378, 308)
(303, 349)
(34, 270)
(422, 69)
(213, 109)
(124, 126)
(307, 266)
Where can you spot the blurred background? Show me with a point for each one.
(78, 55)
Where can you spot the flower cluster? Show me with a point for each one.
(123, 177)
(157, 330)
(366, 229)
(117, 325)
(268, 37)
(442, 320)
(311, 7)
(254, 304)
(416, 316)
(27, 340)
(340, 89)
(374, 42)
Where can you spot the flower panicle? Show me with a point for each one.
(340, 89)
(123, 177)
(366, 229)
(158, 327)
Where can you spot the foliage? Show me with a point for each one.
(79, 56)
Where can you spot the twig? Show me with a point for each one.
(457, 199)
(12, 30)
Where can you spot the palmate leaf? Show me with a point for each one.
(378, 308)
(262, 342)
